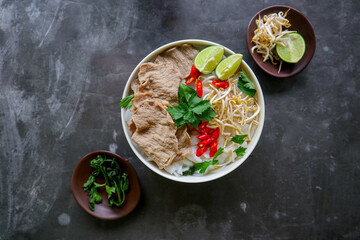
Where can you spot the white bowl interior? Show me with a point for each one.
(211, 175)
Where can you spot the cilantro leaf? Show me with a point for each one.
(218, 152)
(191, 108)
(240, 151)
(201, 107)
(203, 165)
(194, 100)
(88, 184)
(94, 197)
(126, 101)
(208, 115)
(176, 112)
(185, 93)
(239, 139)
(245, 85)
(206, 164)
(116, 182)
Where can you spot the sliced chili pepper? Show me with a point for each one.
(206, 142)
(216, 133)
(202, 126)
(213, 149)
(194, 74)
(208, 131)
(189, 80)
(220, 84)
(193, 71)
(200, 151)
(203, 136)
(199, 88)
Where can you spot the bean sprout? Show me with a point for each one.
(269, 32)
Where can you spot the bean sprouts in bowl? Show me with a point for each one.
(216, 173)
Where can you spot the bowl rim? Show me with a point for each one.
(229, 168)
(248, 36)
(119, 158)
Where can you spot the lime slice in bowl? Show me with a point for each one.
(207, 59)
(294, 48)
(228, 66)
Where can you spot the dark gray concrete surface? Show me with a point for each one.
(63, 67)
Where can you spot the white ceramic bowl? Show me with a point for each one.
(210, 176)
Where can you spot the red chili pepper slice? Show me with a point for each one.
(203, 136)
(213, 149)
(189, 80)
(202, 126)
(193, 71)
(199, 88)
(208, 131)
(194, 74)
(206, 142)
(220, 84)
(200, 151)
(216, 133)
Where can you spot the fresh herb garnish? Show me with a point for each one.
(126, 101)
(191, 108)
(239, 139)
(245, 85)
(116, 182)
(203, 165)
(240, 151)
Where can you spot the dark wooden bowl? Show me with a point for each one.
(298, 23)
(103, 211)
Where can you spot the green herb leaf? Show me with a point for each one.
(218, 152)
(203, 165)
(207, 115)
(206, 164)
(176, 112)
(191, 108)
(89, 183)
(246, 85)
(126, 101)
(201, 107)
(191, 171)
(239, 139)
(116, 182)
(185, 93)
(240, 151)
(94, 197)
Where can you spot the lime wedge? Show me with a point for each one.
(208, 58)
(228, 66)
(294, 50)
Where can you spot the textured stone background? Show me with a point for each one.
(63, 66)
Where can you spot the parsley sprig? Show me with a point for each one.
(239, 139)
(201, 167)
(246, 85)
(191, 108)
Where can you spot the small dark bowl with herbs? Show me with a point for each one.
(105, 185)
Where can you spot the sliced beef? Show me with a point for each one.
(155, 133)
(182, 58)
(135, 84)
(161, 80)
(184, 143)
(155, 89)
